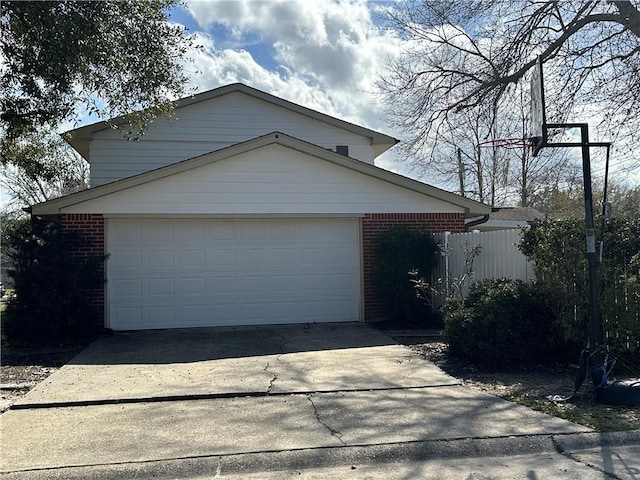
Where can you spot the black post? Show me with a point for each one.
(595, 327)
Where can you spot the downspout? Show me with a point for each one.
(473, 223)
(479, 221)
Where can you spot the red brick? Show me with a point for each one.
(91, 226)
(373, 223)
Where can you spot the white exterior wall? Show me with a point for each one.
(207, 126)
(270, 180)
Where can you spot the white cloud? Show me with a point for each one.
(328, 53)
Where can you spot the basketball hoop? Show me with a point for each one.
(508, 143)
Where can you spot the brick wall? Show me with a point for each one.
(374, 223)
(91, 226)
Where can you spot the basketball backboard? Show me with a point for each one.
(538, 135)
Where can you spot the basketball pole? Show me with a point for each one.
(595, 323)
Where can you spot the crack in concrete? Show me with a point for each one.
(573, 458)
(274, 377)
(274, 374)
(218, 469)
(334, 433)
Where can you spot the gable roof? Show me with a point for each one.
(79, 138)
(55, 206)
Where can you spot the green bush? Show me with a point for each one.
(398, 252)
(53, 285)
(558, 248)
(501, 323)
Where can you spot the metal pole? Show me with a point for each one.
(595, 327)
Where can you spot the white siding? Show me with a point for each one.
(270, 180)
(207, 126)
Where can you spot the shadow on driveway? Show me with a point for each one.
(215, 343)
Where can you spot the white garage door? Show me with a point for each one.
(173, 273)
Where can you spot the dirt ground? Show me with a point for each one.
(23, 368)
(531, 387)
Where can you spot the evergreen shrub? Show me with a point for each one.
(501, 323)
(53, 285)
(398, 252)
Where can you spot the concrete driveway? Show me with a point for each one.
(168, 404)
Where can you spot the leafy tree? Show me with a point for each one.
(43, 167)
(54, 284)
(465, 55)
(110, 57)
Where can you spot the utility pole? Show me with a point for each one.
(460, 171)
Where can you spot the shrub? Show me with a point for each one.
(557, 249)
(53, 285)
(501, 323)
(398, 252)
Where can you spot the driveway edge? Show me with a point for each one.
(303, 459)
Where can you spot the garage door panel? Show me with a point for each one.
(312, 256)
(281, 256)
(341, 308)
(161, 287)
(340, 283)
(253, 257)
(158, 231)
(192, 314)
(314, 311)
(127, 317)
(160, 316)
(192, 286)
(191, 258)
(252, 231)
(282, 230)
(341, 255)
(283, 284)
(196, 272)
(126, 231)
(222, 286)
(128, 287)
(224, 256)
(188, 231)
(252, 284)
(311, 282)
(160, 259)
(253, 311)
(126, 260)
(222, 313)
